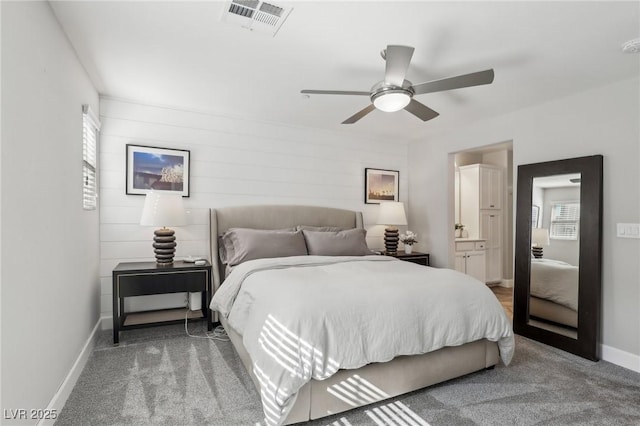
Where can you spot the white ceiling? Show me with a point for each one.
(181, 54)
(557, 181)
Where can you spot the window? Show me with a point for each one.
(535, 214)
(565, 220)
(90, 131)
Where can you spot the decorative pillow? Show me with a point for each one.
(319, 228)
(243, 244)
(350, 242)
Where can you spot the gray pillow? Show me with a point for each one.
(350, 242)
(242, 244)
(225, 245)
(319, 228)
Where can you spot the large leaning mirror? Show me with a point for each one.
(557, 295)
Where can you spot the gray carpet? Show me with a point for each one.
(160, 376)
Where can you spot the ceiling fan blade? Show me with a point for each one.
(358, 115)
(397, 58)
(420, 110)
(458, 82)
(335, 92)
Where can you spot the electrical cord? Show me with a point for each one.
(218, 333)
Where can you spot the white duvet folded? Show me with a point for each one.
(306, 317)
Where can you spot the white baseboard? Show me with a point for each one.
(507, 283)
(621, 358)
(106, 323)
(60, 397)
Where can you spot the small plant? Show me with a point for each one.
(459, 226)
(410, 238)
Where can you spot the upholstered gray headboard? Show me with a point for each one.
(272, 217)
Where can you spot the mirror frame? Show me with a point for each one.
(590, 269)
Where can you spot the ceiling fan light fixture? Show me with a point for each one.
(391, 101)
(395, 92)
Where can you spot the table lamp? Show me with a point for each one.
(539, 239)
(163, 208)
(391, 214)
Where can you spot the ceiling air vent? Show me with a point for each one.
(256, 15)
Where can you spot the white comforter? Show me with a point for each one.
(555, 280)
(306, 317)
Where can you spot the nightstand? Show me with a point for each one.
(145, 278)
(413, 257)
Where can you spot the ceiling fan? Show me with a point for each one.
(395, 93)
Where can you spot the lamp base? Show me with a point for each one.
(537, 252)
(164, 245)
(391, 238)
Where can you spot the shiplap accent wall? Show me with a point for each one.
(234, 161)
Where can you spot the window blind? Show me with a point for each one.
(565, 220)
(90, 133)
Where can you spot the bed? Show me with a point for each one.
(554, 292)
(311, 377)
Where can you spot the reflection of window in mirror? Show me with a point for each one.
(565, 220)
(535, 214)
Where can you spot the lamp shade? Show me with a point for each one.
(162, 208)
(540, 237)
(392, 213)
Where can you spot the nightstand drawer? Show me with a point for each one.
(422, 260)
(413, 257)
(142, 284)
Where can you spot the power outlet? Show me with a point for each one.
(628, 230)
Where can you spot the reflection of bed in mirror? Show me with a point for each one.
(554, 292)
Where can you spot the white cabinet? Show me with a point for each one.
(470, 258)
(490, 187)
(481, 187)
(491, 227)
(481, 193)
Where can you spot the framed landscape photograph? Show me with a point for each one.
(381, 185)
(161, 169)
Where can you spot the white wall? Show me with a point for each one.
(233, 162)
(50, 286)
(599, 121)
